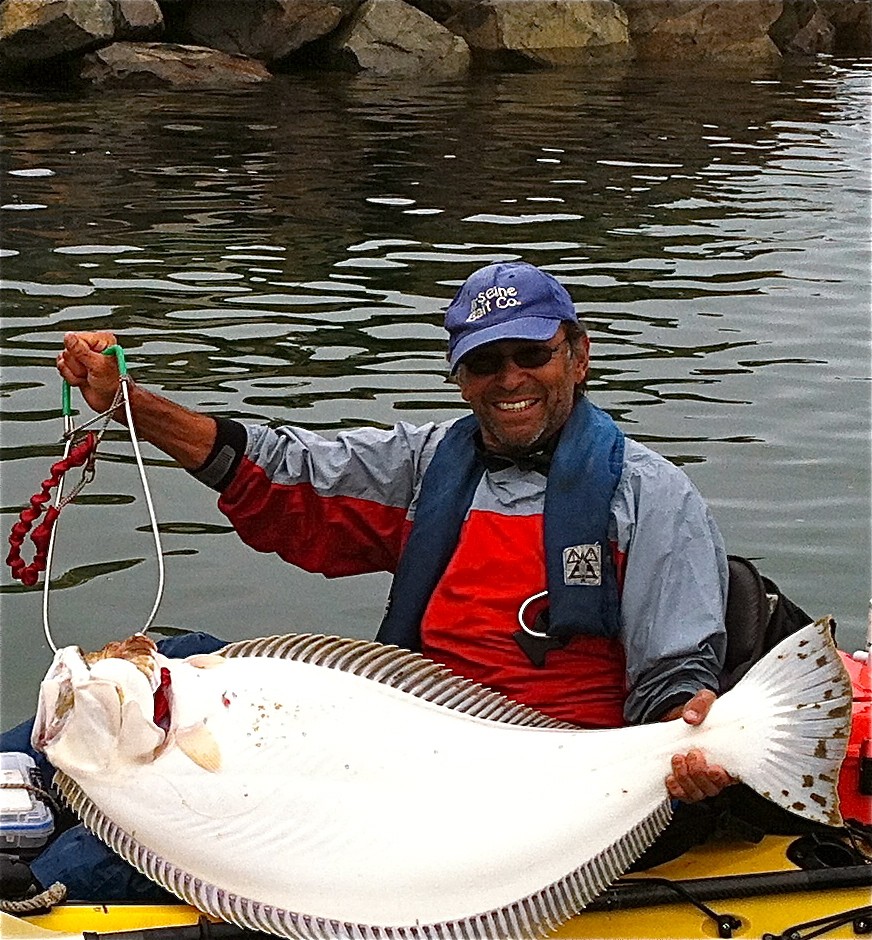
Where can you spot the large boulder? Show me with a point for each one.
(37, 31)
(34, 31)
(542, 32)
(852, 22)
(802, 29)
(155, 65)
(725, 31)
(265, 29)
(389, 37)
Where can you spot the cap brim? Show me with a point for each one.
(532, 328)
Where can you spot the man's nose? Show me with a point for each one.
(510, 374)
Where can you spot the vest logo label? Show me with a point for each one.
(582, 564)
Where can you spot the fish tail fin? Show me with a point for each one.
(784, 729)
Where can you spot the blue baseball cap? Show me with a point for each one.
(507, 300)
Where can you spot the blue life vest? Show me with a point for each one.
(584, 473)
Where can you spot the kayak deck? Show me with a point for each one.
(771, 913)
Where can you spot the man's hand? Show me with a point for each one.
(84, 366)
(692, 778)
(187, 436)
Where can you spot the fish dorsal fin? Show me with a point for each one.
(399, 669)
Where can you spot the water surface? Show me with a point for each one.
(282, 254)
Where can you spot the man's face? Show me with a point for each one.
(520, 408)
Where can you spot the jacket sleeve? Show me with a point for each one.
(675, 587)
(338, 507)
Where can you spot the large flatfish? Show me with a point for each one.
(313, 786)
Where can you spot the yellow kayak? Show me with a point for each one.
(720, 876)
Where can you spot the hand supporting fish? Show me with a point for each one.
(692, 778)
(326, 787)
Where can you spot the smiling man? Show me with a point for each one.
(534, 547)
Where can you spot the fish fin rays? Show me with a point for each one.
(198, 743)
(534, 915)
(398, 669)
(791, 714)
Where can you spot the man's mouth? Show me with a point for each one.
(515, 405)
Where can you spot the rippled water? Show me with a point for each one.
(282, 254)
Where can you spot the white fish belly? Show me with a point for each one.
(347, 798)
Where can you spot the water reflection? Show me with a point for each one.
(283, 254)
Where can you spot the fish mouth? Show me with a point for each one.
(57, 696)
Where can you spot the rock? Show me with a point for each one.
(852, 22)
(391, 37)
(137, 19)
(154, 64)
(725, 31)
(441, 10)
(265, 29)
(802, 29)
(33, 31)
(542, 32)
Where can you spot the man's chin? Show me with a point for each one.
(513, 446)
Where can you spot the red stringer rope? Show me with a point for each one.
(81, 454)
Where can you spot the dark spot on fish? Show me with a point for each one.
(803, 643)
(821, 801)
(798, 806)
(828, 694)
(821, 661)
(802, 655)
(807, 780)
(821, 748)
(783, 793)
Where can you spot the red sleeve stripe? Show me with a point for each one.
(333, 535)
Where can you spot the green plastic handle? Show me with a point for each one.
(117, 352)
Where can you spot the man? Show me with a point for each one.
(535, 548)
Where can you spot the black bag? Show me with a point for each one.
(758, 617)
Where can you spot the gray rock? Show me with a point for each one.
(389, 37)
(137, 19)
(154, 64)
(441, 10)
(265, 29)
(33, 31)
(697, 31)
(543, 32)
(802, 29)
(852, 22)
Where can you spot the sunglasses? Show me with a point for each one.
(490, 361)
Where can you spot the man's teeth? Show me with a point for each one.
(515, 405)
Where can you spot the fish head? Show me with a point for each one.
(96, 710)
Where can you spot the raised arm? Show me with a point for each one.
(185, 435)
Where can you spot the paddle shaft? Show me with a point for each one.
(646, 892)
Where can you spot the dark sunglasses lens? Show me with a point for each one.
(532, 357)
(484, 363)
(527, 357)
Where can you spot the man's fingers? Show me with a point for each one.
(695, 711)
(71, 369)
(692, 779)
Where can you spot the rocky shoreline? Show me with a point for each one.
(226, 43)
